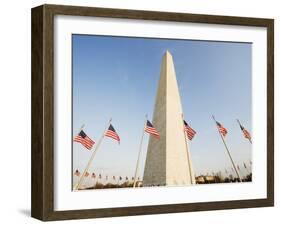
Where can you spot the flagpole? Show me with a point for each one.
(240, 172)
(82, 126)
(91, 159)
(245, 166)
(140, 148)
(250, 140)
(227, 150)
(250, 165)
(187, 152)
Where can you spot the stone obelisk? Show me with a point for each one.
(168, 160)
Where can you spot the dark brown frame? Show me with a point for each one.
(42, 202)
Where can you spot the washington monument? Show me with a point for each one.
(168, 160)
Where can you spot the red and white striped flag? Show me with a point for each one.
(149, 128)
(245, 132)
(189, 131)
(221, 129)
(83, 139)
(112, 133)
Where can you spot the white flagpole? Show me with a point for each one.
(227, 150)
(187, 152)
(140, 149)
(82, 126)
(240, 172)
(91, 159)
(250, 165)
(245, 166)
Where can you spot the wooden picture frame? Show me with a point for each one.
(42, 203)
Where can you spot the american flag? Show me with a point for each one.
(77, 173)
(247, 135)
(151, 130)
(83, 139)
(189, 131)
(86, 174)
(221, 129)
(112, 133)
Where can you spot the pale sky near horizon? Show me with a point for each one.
(117, 77)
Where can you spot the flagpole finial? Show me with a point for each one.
(83, 125)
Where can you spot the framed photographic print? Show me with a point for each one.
(141, 112)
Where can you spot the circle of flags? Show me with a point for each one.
(110, 132)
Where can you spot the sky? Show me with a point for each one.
(117, 77)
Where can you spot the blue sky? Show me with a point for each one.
(117, 77)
